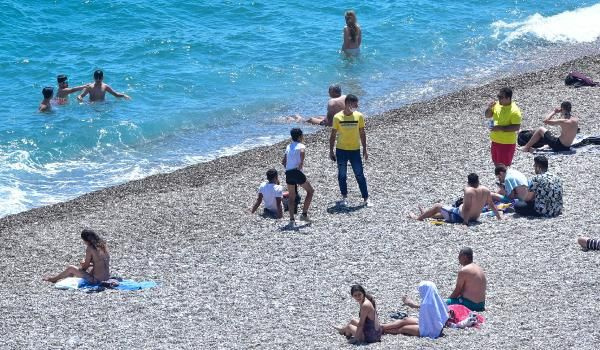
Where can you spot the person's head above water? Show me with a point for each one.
(465, 256)
(93, 240)
(505, 96)
(565, 109)
(48, 92)
(350, 17)
(98, 75)
(272, 175)
(335, 91)
(358, 293)
(473, 180)
(62, 80)
(540, 164)
(296, 134)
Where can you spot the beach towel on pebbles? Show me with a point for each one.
(460, 313)
(117, 283)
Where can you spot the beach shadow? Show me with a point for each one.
(294, 228)
(337, 208)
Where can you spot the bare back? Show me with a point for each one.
(100, 263)
(475, 282)
(97, 91)
(334, 106)
(474, 200)
(568, 131)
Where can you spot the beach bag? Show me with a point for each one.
(524, 137)
(577, 79)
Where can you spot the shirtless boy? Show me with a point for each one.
(568, 130)
(475, 198)
(64, 90)
(334, 105)
(470, 283)
(46, 104)
(97, 90)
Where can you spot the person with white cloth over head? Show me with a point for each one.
(433, 314)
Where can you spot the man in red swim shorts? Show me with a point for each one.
(506, 119)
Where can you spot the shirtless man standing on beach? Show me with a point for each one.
(568, 130)
(334, 105)
(98, 89)
(475, 198)
(470, 283)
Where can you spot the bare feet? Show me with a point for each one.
(583, 243)
(49, 279)
(340, 330)
(413, 216)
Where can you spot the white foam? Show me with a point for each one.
(577, 26)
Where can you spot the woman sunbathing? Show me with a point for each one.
(95, 267)
(366, 328)
(433, 314)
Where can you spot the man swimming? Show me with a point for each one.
(64, 90)
(46, 104)
(475, 198)
(470, 283)
(335, 105)
(97, 90)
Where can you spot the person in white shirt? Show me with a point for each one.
(272, 194)
(293, 161)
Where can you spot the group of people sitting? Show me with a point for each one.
(434, 313)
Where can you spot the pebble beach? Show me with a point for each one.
(230, 279)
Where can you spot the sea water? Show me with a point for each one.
(212, 78)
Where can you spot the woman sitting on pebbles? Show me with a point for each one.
(433, 314)
(95, 267)
(366, 328)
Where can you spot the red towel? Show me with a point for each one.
(461, 312)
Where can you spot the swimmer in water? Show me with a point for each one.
(45, 105)
(352, 35)
(334, 105)
(64, 90)
(97, 90)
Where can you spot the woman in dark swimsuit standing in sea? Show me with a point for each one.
(366, 328)
(95, 267)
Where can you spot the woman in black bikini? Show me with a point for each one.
(366, 328)
(95, 267)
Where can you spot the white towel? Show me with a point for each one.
(433, 312)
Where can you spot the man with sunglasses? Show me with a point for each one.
(64, 90)
(506, 118)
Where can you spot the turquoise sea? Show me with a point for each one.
(210, 78)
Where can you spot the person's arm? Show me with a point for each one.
(257, 203)
(520, 192)
(74, 89)
(467, 202)
(43, 107)
(511, 127)
(117, 94)
(555, 122)
(410, 303)
(489, 112)
(358, 35)
(364, 312)
(278, 201)
(86, 90)
(460, 285)
(88, 259)
(490, 203)
(551, 114)
(284, 160)
(332, 143)
(346, 38)
(363, 140)
(301, 165)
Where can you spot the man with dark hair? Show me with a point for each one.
(471, 283)
(46, 104)
(272, 194)
(349, 128)
(512, 184)
(97, 90)
(64, 90)
(505, 123)
(475, 198)
(544, 197)
(568, 130)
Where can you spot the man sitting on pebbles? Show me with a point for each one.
(568, 130)
(470, 283)
(272, 194)
(544, 197)
(475, 198)
(512, 184)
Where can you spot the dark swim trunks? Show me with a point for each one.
(554, 142)
(294, 177)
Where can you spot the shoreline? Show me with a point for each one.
(190, 231)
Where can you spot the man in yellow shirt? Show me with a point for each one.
(506, 119)
(349, 128)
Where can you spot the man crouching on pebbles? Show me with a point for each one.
(475, 198)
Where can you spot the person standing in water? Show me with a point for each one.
(97, 90)
(352, 35)
(95, 267)
(64, 90)
(45, 105)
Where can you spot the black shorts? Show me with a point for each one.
(554, 142)
(294, 177)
